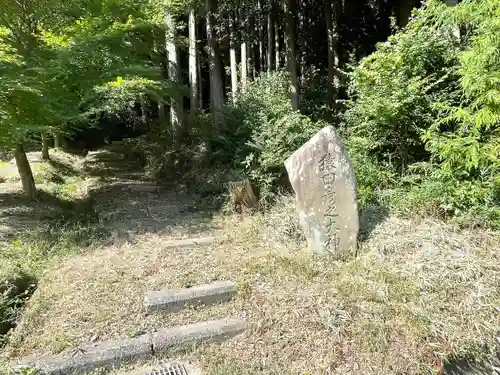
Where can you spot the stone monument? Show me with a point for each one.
(323, 179)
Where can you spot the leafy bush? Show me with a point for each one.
(426, 106)
(257, 133)
(372, 176)
(265, 100)
(272, 143)
(261, 130)
(16, 285)
(394, 90)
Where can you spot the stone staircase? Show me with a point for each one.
(151, 346)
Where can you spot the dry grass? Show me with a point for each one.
(417, 292)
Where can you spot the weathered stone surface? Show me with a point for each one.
(325, 186)
(176, 300)
(206, 332)
(106, 355)
(193, 242)
(115, 353)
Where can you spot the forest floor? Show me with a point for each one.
(417, 291)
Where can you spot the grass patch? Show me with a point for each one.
(60, 222)
(417, 294)
(24, 259)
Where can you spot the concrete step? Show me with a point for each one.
(113, 354)
(195, 242)
(176, 300)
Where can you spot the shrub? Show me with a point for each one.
(259, 131)
(16, 285)
(394, 90)
(266, 99)
(426, 105)
(272, 143)
(372, 176)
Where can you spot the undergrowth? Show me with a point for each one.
(61, 221)
(429, 293)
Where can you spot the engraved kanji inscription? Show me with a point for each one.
(327, 169)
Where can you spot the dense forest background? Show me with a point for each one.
(228, 89)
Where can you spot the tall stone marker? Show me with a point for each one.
(325, 186)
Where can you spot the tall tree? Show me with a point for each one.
(23, 107)
(271, 40)
(243, 49)
(215, 64)
(332, 18)
(232, 58)
(45, 146)
(58, 140)
(260, 28)
(174, 74)
(25, 172)
(193, 62)
(277, 37)
(404, 9)
(291, 41)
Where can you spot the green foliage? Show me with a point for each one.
(394, 90)
(55, 75)
(426, 105)
(272, 143)
(260, 131)
(372, 176)
(15, 288)
(265, 101)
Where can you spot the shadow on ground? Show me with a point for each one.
(113, 163)
(118, 207)
(464, 367)
(371, 217)
(110, 213)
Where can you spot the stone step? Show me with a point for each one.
(116, 353)
(194, 242)
(176, 300)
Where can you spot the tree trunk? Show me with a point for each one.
(260, 28)
(45, 147)
(161, 113)
(277, 45)
(253, 61)
(174, 73)
(200, 86)
(291, 31)
(299, 41)
(404, 9)
(244, 66)
(332, 17)
(215, 65)
(58, 141)
(193, 65)
(24, 168)
(271, 40)
(144, 111)
(243, 47)
(234, 64)
(243, 50)
(252, 47)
